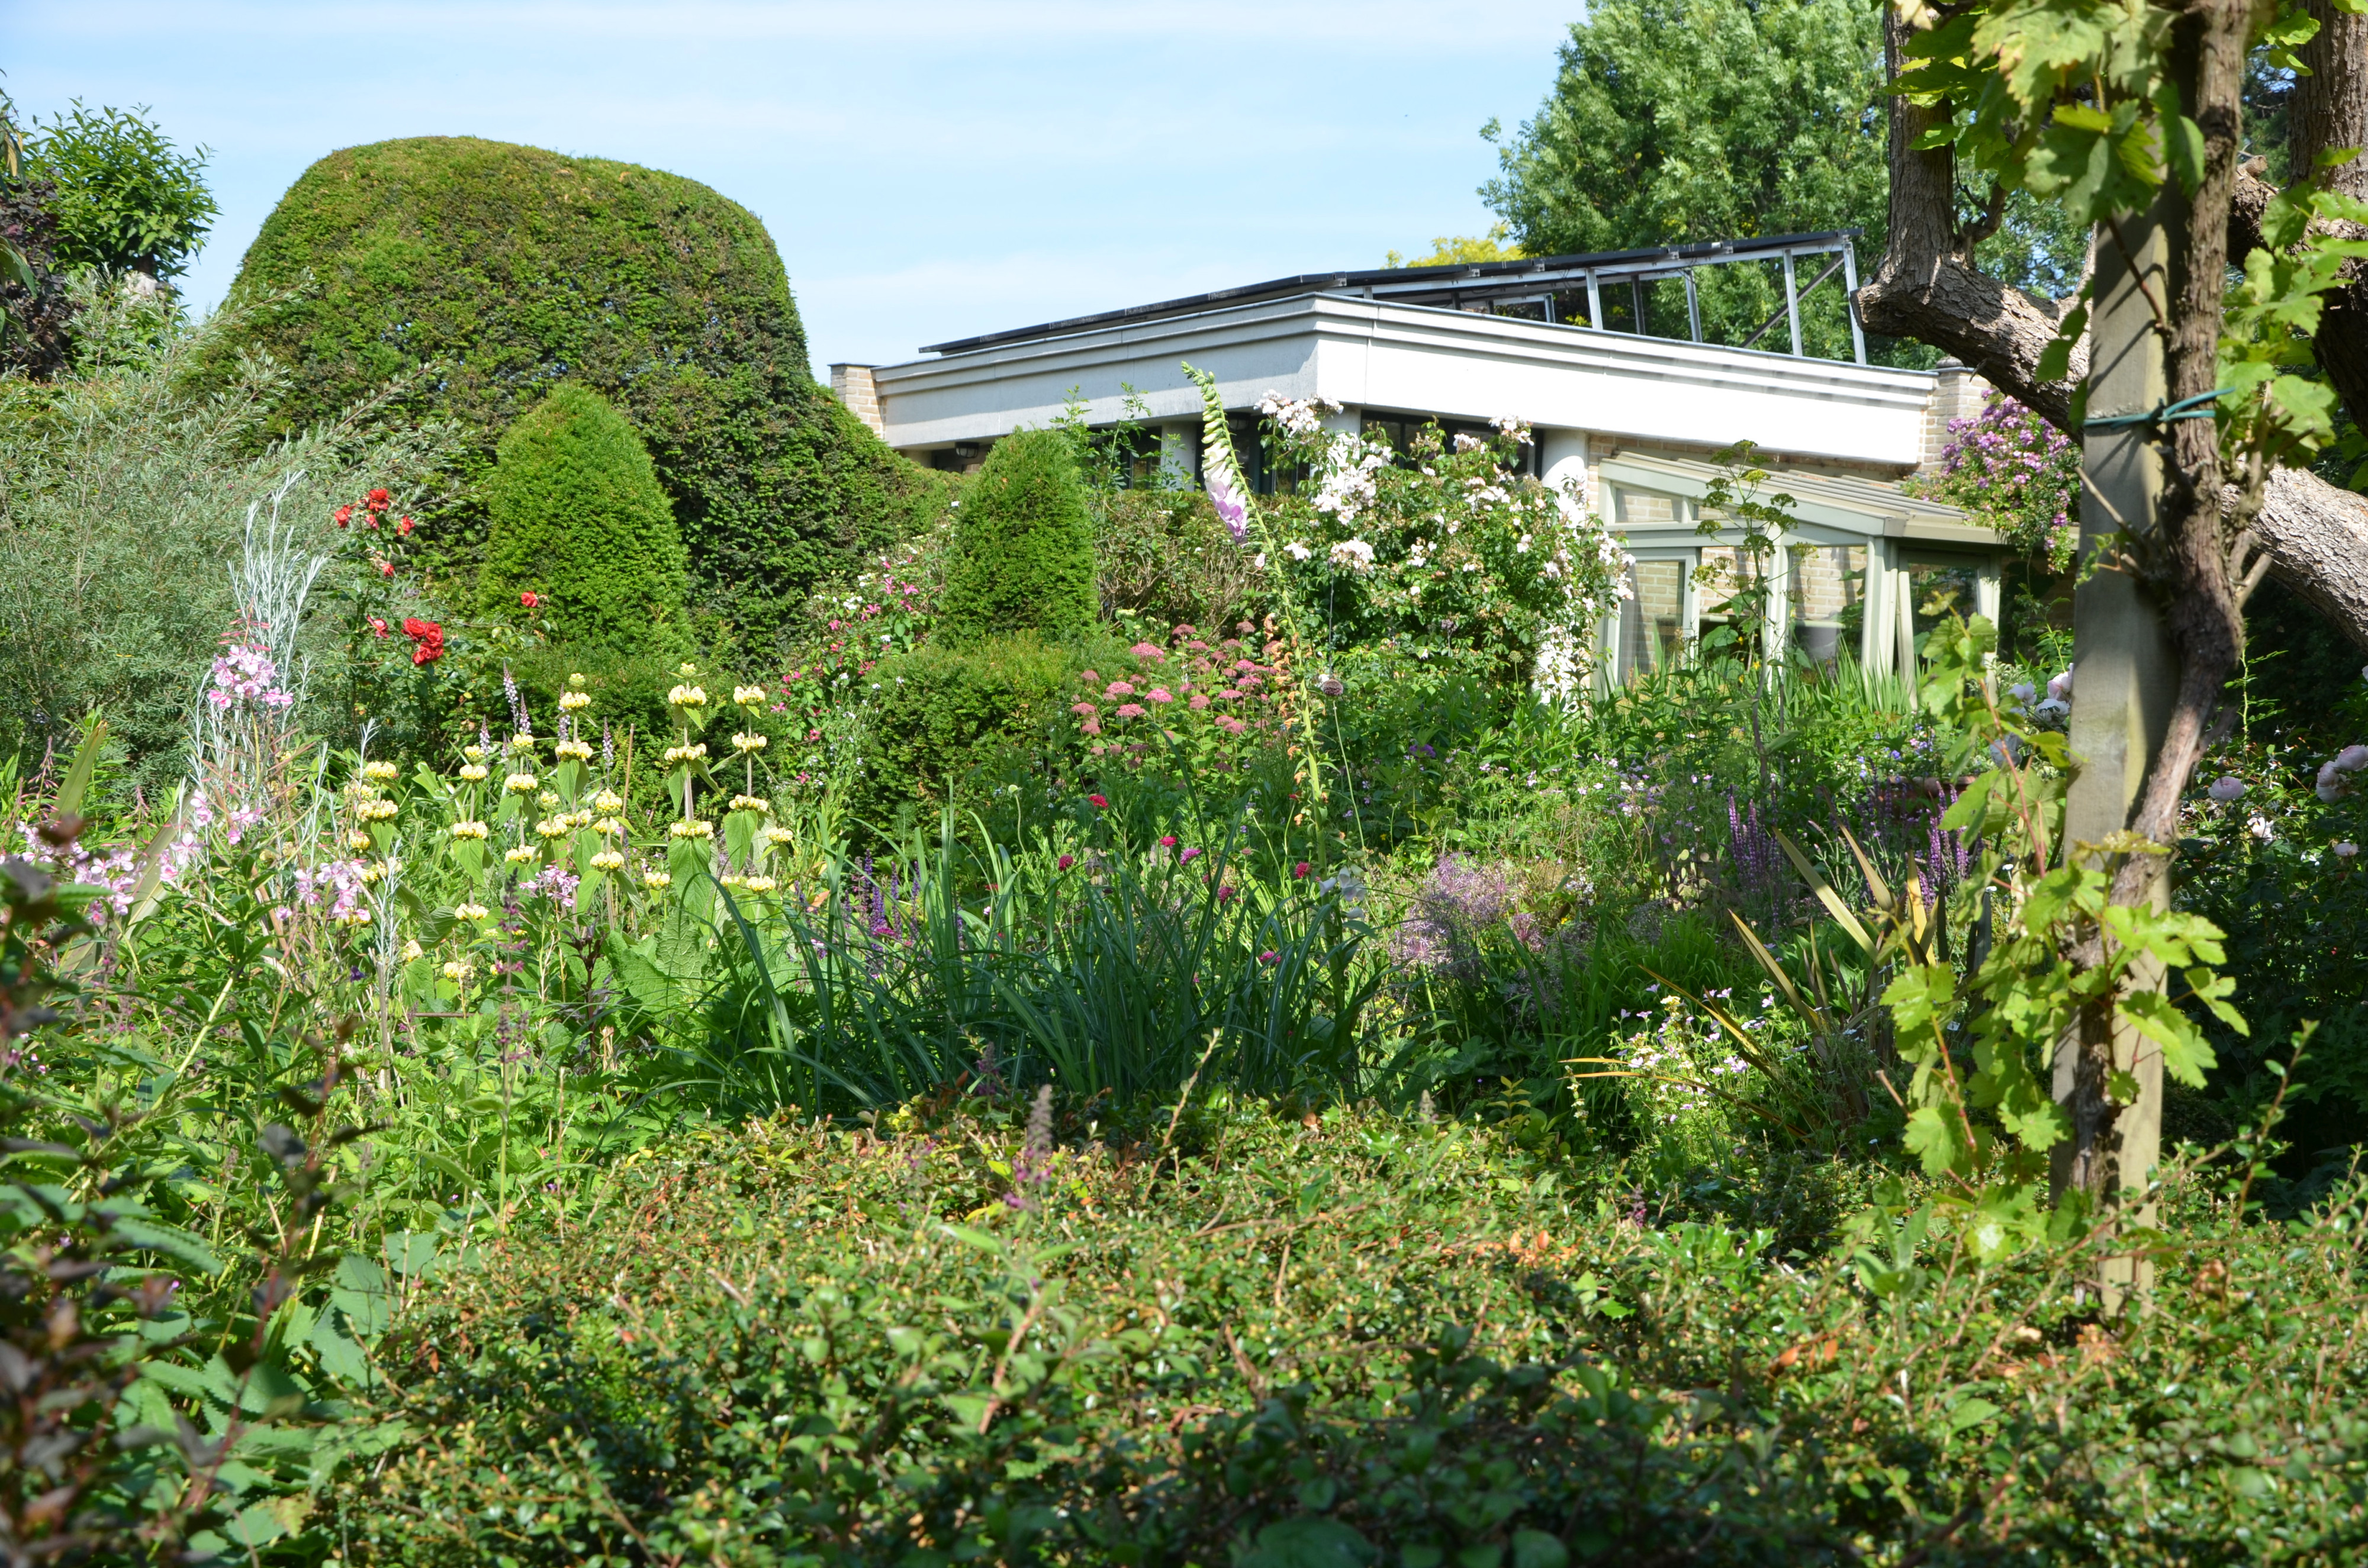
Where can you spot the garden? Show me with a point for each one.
(596, 968)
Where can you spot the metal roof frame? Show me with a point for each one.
(1461, 284)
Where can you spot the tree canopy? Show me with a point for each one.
(127, 198)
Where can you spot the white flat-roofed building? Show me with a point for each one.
(1627, 417)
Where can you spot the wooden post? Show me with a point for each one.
(2124, 678)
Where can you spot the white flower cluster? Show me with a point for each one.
(1302, 418)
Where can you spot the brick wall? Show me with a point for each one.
(1957, 393)
(854, 387)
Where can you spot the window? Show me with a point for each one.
(1725, 573)
(1827, 599)
(1939, 588)
(1642, 508)
(1652, 626)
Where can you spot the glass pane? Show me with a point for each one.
(1651, 635)
(1937, 590)
(1638, 506)
(1721, 575)
(1829, 599)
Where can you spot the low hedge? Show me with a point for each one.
(1294, 1338)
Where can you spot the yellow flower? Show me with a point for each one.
(654, 879)
(608, 800)
(524, 855)
(749, 695)
(580, 750)
(522, 740)
(358, 840)
(473, 772)
(358, 915)
(552, 827)
(574, 701)
(469, 830)
(410, 950)
(687, 696)
(607, 860)
(576, 819)
(378, 810)
(775, 834)
(758, 884)
(609, 827)
(520, 783)
(694, 828)
(380, 772)
(756, 803)
(733, 879)
(747, 740)
(547, 801)
(474, 754)
(465, 911)
(695, 752)
(458, 971)
(371, 872)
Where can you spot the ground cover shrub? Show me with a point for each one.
(983, 1332)
(1020, 555)
(579, 530)
(513, 269)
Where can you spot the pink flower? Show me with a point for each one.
(1100, 803)
(1092, 726)
(1090, 679)
(1168, 842)
(1084, 710)
(1119, 689)
(531, 599)
(378, 627)
(1300, 870)
(1223, 894)
(1269, 956)
(1187, 856)
(1151, 651)
(1067, 861)
(1160, 694)
(1132, 711)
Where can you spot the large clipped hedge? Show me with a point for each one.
(510, 269)
(579, 521)
(1022, 554)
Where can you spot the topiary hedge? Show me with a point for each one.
(577, 519)
(943, 714)
(1023, 553)
(511, 269)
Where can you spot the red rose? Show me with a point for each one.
(428, 638)
(529, 599)
(386, 568)
(404, 527)
(377, 500)
(343, 516)
(1099, 801)
(378, 627)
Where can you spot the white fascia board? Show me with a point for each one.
(1419, 359)
(990, 392)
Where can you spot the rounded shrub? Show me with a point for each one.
(577, 517)
(510, 270)
(944, 716)
(1022, 554)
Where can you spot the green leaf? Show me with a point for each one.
(1971, 1413)
(170, 1240)
(1935, 1136)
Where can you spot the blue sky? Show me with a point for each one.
(928, 170)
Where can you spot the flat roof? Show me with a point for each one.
(1470, 280)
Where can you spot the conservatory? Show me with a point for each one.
(1864, 570)
(1627, 400)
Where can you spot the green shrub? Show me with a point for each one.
(1343, 1340)
(578, 519)
(1022, 556)
(513, 269)
(942, 714)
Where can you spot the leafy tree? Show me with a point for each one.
(581, 530)
(1022, 558)
(127, 198)
(1678, 121)
(1448, 249)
